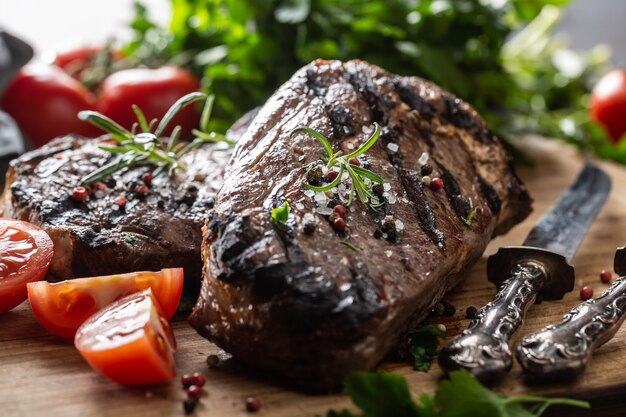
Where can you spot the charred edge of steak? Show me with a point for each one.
(414, 100)
(456, 114)
(379, 105)
(340, 120)
(460, 204)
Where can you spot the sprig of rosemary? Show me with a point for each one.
(361, 179)
(147, 148)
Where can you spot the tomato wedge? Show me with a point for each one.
(25, 253)
(130, 341)
(62, 307)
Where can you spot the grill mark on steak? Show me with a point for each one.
(459, 203)
(379, 105)
(412, 184)
(490, 194)
(414, 100)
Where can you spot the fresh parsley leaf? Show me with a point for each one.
(384, 395)
(387, 395)
(281, 214)
(468, 221)
(463, 396)
(130, 238)
(423, 343)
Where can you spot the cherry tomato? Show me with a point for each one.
(44, 101)
(74, 61)
(154, 91)
(25, 253)
(62, 307)
(608, 103)
(130, 341)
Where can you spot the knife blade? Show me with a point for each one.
(562, 352)
(540, 266)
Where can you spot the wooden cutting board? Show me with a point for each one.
(42, 375)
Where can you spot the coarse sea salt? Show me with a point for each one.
(324, 211)
(309, 193)
(393, 147)
(399, 225)
(386, 186)
(423, 159)
(388, 253)
(299, 206)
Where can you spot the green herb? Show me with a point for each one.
(130, 238)
(423, 343)
(468, 221)
(388, 395)
(351, 246)
(147, 147)
(500, 56)
(361, 179)
(280, 215)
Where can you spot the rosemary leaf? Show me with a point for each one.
(106, 124)
(141, 118)
(176, 107)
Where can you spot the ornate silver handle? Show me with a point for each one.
(483, 349)
(562, 352)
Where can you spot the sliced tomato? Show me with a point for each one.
(130, 341)
(62, 307)
(25, 253)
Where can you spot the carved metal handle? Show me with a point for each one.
(561, 352)
(483, 349)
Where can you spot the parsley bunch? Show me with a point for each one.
(387, 395)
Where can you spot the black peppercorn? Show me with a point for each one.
(470, 313)
(309, 228)
(189, 405)
(426, 169)
(378, 189)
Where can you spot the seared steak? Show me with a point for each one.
(295, 298)
(157, 230)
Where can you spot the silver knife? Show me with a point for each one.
(562, 352)
(540, 266)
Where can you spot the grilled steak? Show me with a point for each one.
(157, 230)
(295, 298)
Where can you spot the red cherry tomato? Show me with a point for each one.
(44, 101)
(25, 253)
(154, 91)
(74, 61)
(608, 103)
(62, 307)
(130, 341)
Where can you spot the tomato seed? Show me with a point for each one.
(586, 293)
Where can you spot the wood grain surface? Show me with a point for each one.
(42, 375)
